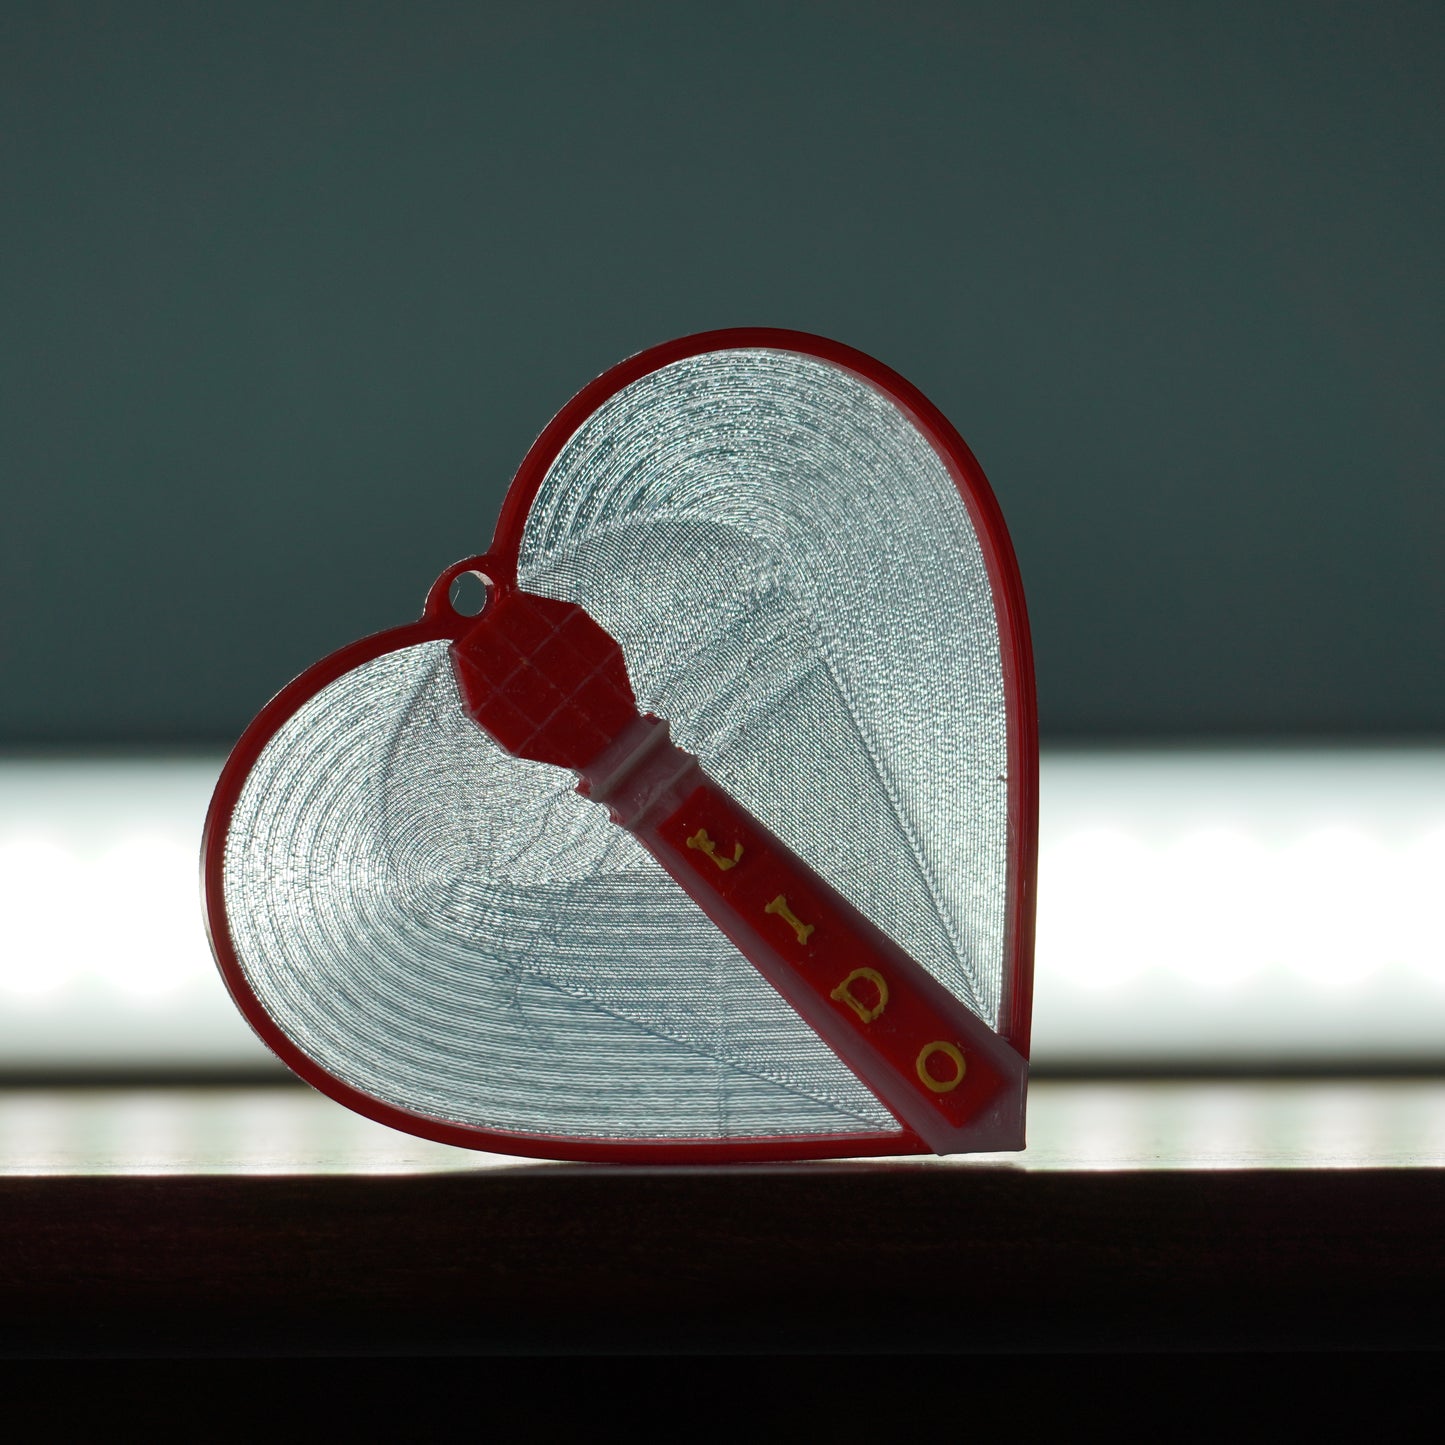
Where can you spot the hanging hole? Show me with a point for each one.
(468, 593)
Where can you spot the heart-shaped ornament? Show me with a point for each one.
(801, 925)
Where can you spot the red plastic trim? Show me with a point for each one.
(440, 622)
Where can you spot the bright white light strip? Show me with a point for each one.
(1241, 908)
(103, 956)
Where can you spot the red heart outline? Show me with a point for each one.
(440, 622)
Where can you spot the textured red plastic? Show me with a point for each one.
(543, 679)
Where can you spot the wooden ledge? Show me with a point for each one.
(1145, 1215)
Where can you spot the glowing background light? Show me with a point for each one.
(1218, 925)
(42, 947)
(1091, 879)
(144, 889)
(1284, 906)
(1240, 908)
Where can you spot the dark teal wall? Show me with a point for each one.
(286, 291)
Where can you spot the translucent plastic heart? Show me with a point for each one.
(810, 580)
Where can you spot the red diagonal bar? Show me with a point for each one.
(548, 683)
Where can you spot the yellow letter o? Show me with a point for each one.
(940, 1086)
